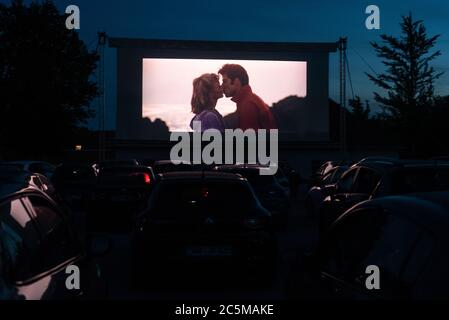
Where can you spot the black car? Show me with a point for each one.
(272, 195)
(406, 237)
(382, 178)
(204, 217)
(37, 245)
(75, 182)
(120, 193)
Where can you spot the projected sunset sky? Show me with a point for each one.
(167, 85)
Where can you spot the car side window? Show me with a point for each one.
(366, 181)
(328, 178)
(346, 182)
(58, 240)
(20, 242)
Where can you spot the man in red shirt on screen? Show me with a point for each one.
(252, 111)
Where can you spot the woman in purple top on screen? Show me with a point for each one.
(206, 92)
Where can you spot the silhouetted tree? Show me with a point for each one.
(358, 111)
(45, 79)
(409, 79)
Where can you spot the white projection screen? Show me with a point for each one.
(167, 86)
(154, 84)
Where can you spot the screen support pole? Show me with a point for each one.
(342, 48)
(101, 98)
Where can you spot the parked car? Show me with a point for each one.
(37, 244)
(406, 237)
(119, 194)
(203, 217)
(272, 195)
(382, 178)
(75, 183)
(318, 193)
(40, 167)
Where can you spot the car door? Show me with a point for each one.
(60, 247)
(26, 270)
(370, 237)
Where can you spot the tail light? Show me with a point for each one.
(146, 176)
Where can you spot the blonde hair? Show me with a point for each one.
(202, 88)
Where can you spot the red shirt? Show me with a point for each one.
(253, 112)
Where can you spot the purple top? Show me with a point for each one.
(210, 119)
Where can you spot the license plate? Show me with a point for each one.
(209, 251)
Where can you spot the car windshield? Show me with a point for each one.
(198, 198)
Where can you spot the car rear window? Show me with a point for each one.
(188, 199)
(255, 178)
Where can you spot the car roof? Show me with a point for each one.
(163, 162)
(198, 175)
(14, 181)
(376, 158)
(402, 164)
(118, 161)
(126, 167)
(428, 209)
(241, 167)
(24, 162)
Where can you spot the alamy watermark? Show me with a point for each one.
(189, 150)
(372, 282)
(373, 20)
(73, 20)
(73, 280)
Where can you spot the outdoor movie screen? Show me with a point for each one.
(167, 86)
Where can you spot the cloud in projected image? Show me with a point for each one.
(167, 85)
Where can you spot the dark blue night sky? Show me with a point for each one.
(301, 21)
